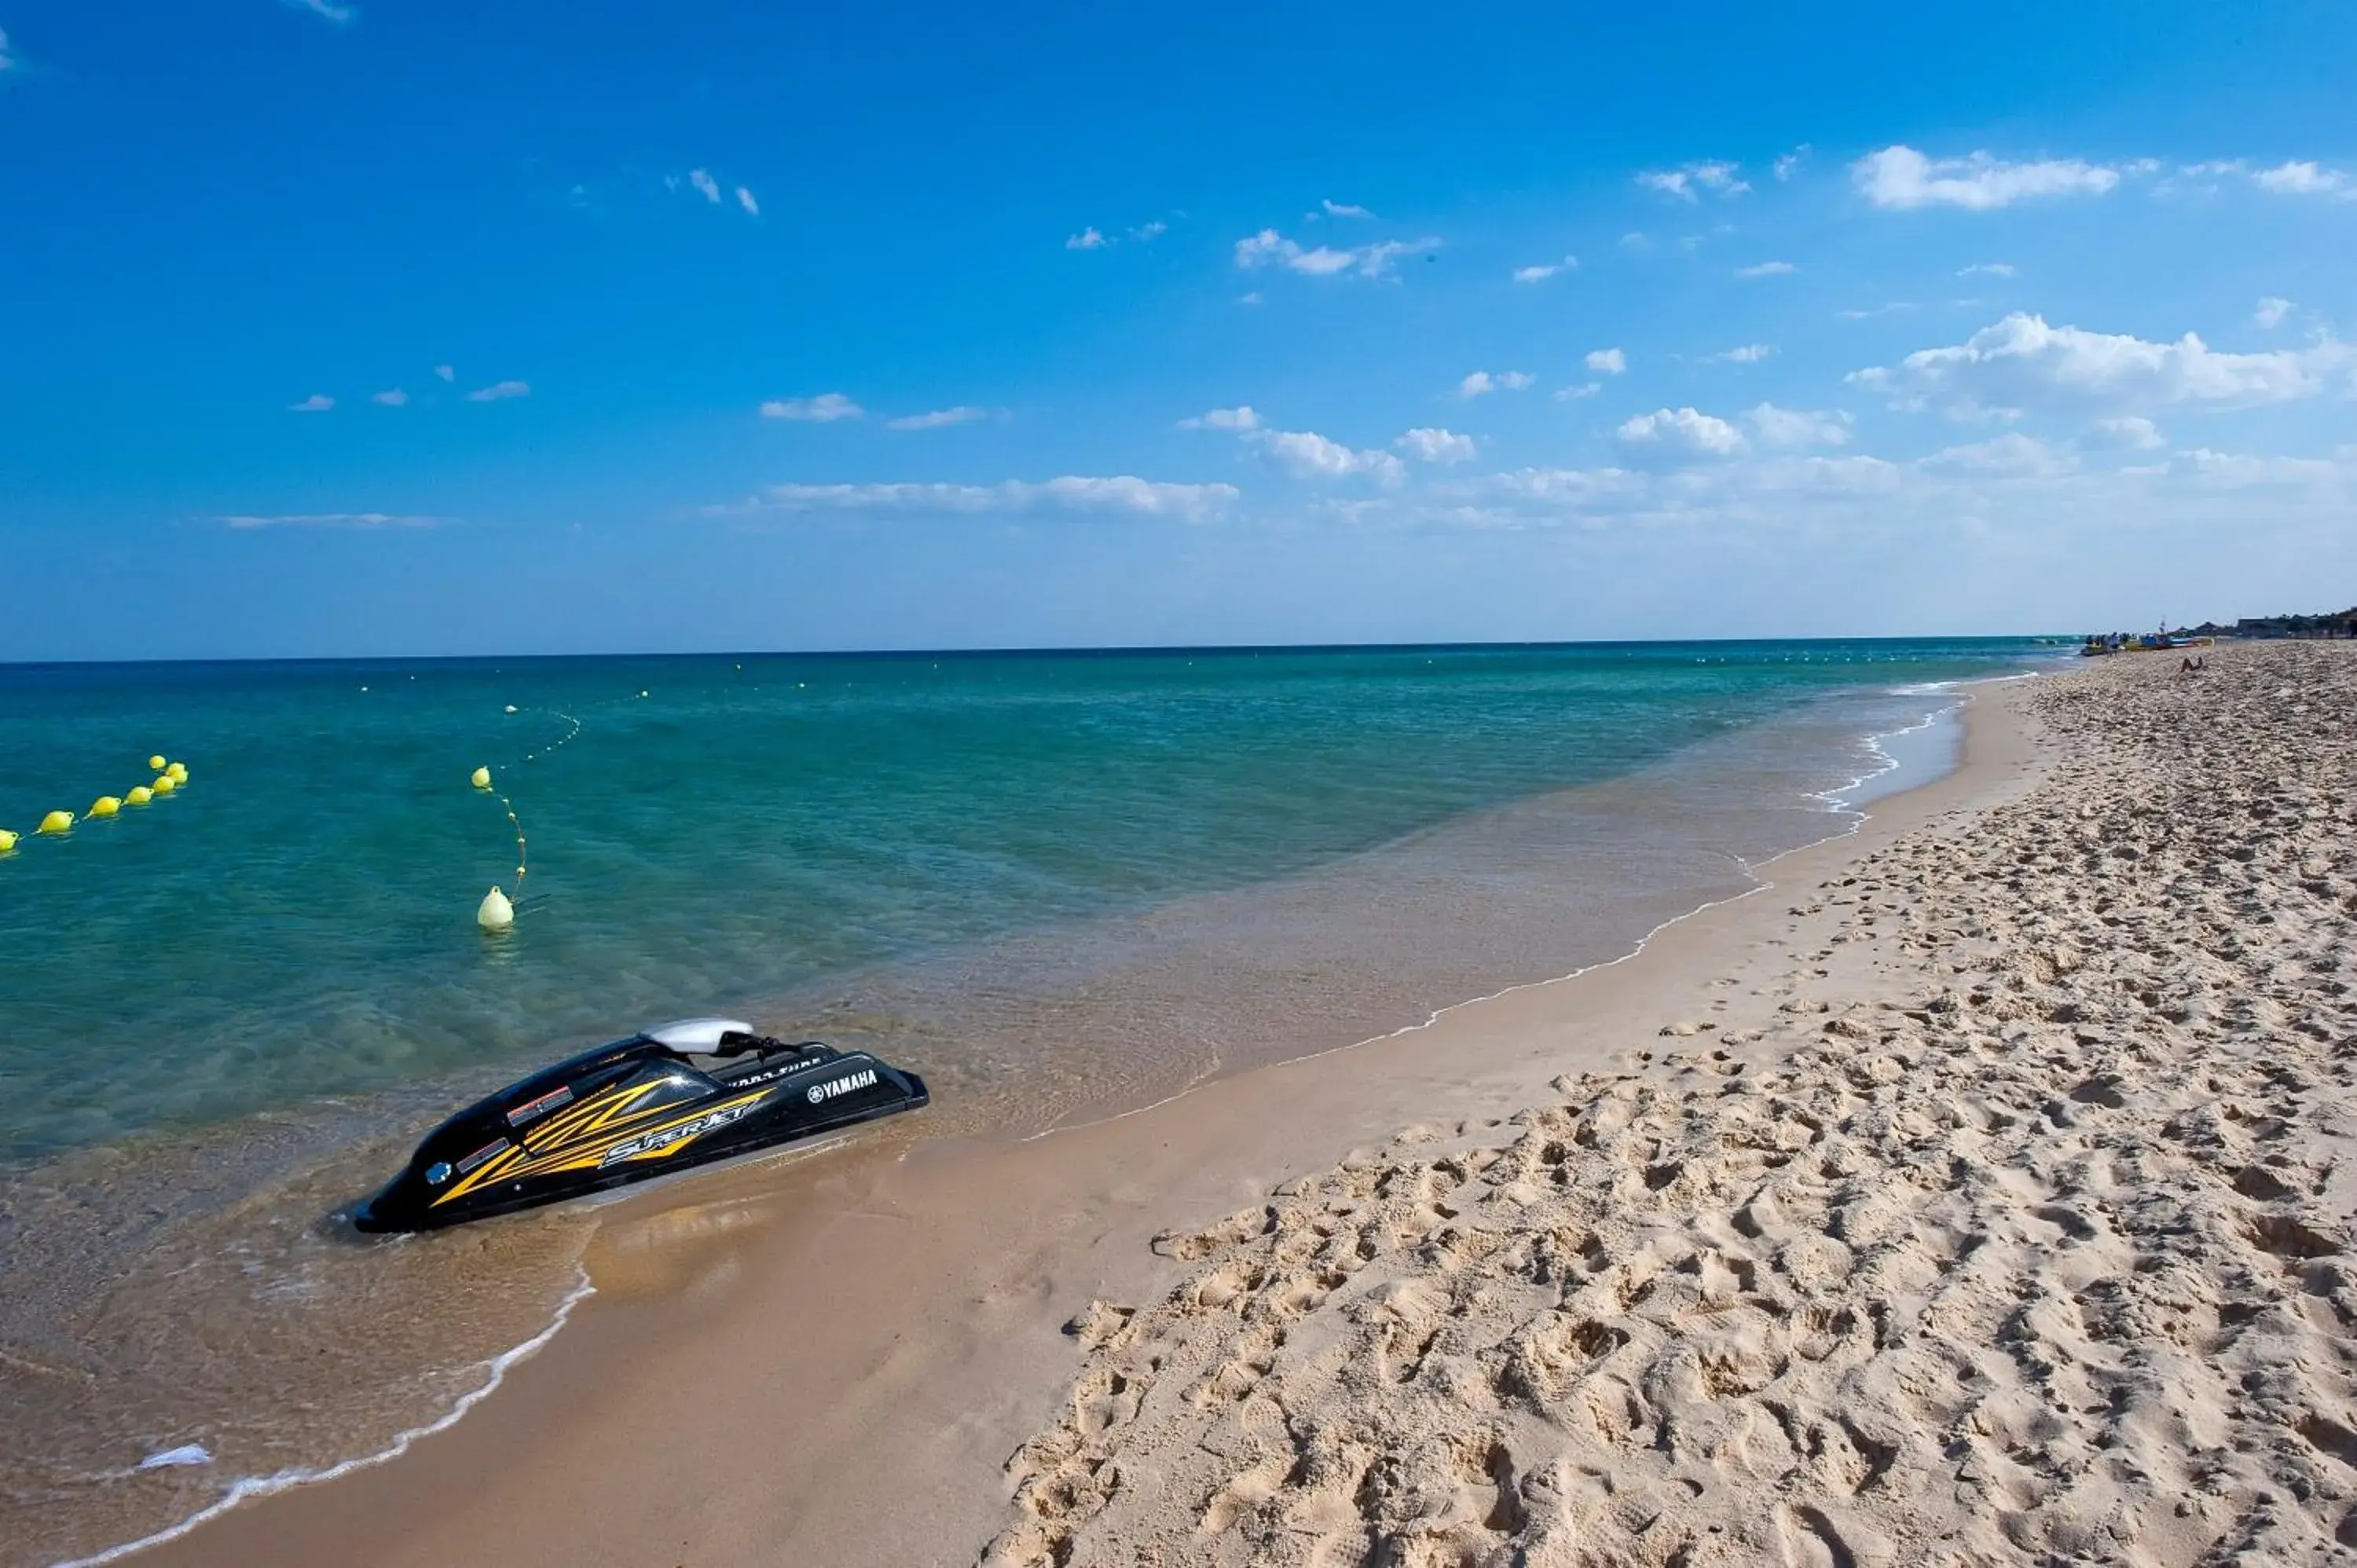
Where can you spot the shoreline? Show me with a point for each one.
(659, 1257)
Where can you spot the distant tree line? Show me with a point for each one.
(2336, 623)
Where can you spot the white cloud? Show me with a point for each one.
(824, 409)
(332, 519)
(1095, 239)
(2011, 454)
(964, 413)
(1269, 245)
(1796, 427)
(329, 10)
(1540, 273)
(1433, 446)
(1902, 178)
(2300, 178)
(1306, 454)
(1573, 395)
(1240, 418)
(1573, 485)
(1684, 431)
(2028, 489)
(1766, 270)
(447, 372)
(1607, 361)
(7, 60)
(392, 397)
(705, 182)
(2130, 433)
(2295, 177)
(1730, 489)
(744, 199)
(1747, 353)
(1479, 384)
(1269, 248)
(1790, 164)
(1124, 492)
(1071, 492)
(1635, 240)
(1343, 209)
(2239, 470)
(317, 403)
(2021, 361)
(2271, 312)
(1689, 180)
(1987, 269)
(500, 390)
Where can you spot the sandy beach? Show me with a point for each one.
(1975, 1191)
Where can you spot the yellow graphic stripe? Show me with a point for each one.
(585, 1120)
(598, 1111)
(517, 1163)
(573, 1156)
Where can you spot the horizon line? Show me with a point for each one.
(1050, 650)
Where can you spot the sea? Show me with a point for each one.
(1059, 884)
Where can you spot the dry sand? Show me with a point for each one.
(1973, 1193)
(2026, 1241)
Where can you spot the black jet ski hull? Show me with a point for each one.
(626, 1113)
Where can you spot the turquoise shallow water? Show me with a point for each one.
(299, 921)
(1058, 884)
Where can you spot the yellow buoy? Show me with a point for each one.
(164, 784)
(481, 778)
(104, 806)
(180, 772)
(138, 795)
(7, 841)
(495, 913)
(56, 823)
(154, 765)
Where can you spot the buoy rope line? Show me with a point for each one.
(170, 778)
(555, 746)
(496, 913)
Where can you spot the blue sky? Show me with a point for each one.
(407, 327)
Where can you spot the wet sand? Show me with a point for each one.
(836, 1361)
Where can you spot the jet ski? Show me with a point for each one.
(683, 1094)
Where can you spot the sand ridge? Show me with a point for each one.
(2017, 1229)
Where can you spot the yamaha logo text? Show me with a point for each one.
(820, 1093)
